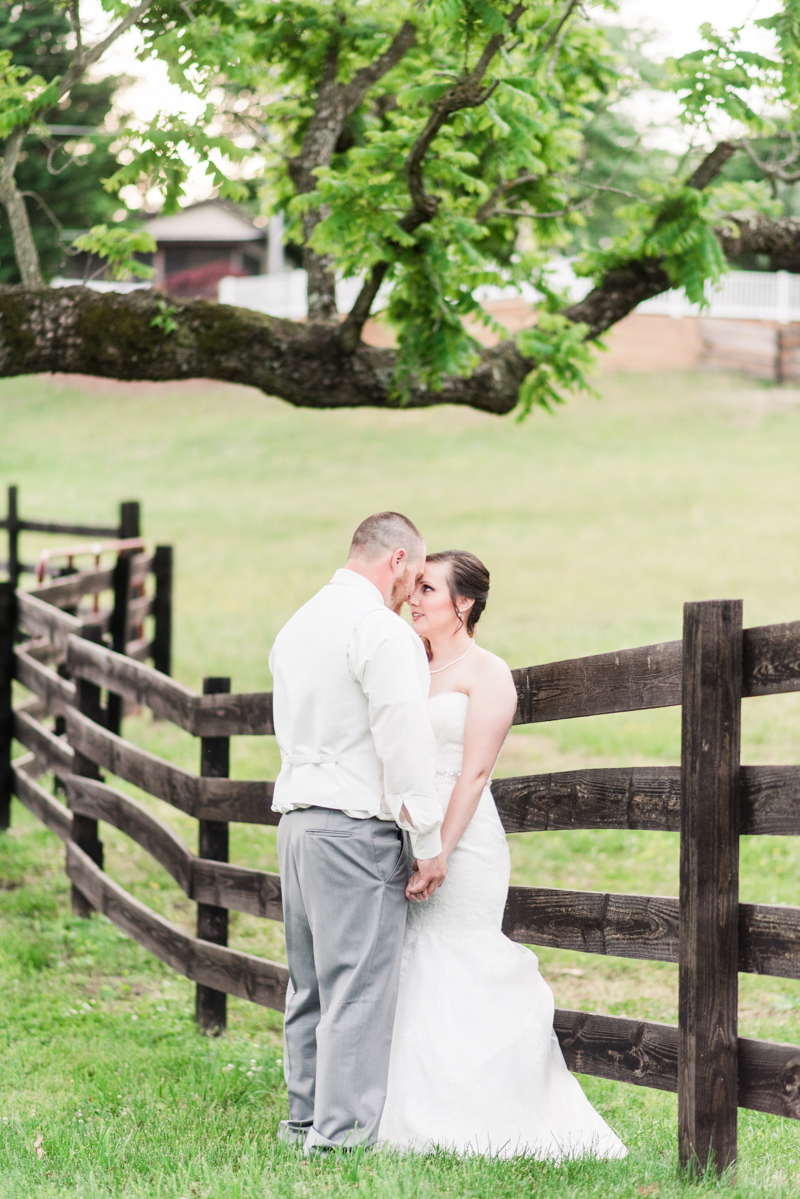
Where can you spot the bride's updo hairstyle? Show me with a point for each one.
(467, 577)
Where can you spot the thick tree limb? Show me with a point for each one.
(619, 293)
(779, 239)
(79, 331)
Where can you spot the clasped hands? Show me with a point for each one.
(429, 873)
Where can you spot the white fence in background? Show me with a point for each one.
(742, 295)
(100, 284)
(281, 295)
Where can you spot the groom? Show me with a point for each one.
(358, 756)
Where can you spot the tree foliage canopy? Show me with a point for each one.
(436, 148)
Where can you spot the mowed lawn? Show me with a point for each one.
(597, 524)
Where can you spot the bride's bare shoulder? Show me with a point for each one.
(492, 670)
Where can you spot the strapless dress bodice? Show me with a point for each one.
(448, 717)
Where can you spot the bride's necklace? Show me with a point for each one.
(439, 669)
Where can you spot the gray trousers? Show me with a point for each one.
(344, 907)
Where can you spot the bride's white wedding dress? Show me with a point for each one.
(475, 1064)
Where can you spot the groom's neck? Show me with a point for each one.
(377, 573)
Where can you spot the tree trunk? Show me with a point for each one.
(13, 201)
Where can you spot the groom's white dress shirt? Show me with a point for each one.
(350, 693)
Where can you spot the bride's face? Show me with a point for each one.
(431, 603)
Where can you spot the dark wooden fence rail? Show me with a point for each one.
(710, 799)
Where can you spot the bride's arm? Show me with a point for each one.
(492, 703)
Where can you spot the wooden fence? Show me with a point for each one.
(710, 799)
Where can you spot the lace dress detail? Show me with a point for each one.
(475, 1065)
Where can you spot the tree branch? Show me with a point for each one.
(468, 92)
(335, 103)
(12, 200)
(711, 166)
(630, 284)
(775, 170)
(11, 197)
(111, 335)
(85, 59)
(557, 37)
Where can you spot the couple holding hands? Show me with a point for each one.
(411, 1021)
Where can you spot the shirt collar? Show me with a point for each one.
(349, 578)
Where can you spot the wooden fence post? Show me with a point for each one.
(212, 922)
(129, 519)
(709, 884)
(162, 644)
(119, 631)
(8, 621)
(84, 828)
(13, 537)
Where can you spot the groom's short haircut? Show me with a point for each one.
(384, 532)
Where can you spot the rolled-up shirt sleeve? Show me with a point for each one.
(382, 658)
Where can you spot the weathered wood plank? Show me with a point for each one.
(204, 716)
(140, 649)
(67, 592)
(139, 608)
(51, 752)
(49, 526)
(639, 797)
(629, 926)
(164, 780)
(238, 888)
(624, 681)
(771, 659)
(216, 966)
(770, 800)
(51, 813)
(243, 800)
(59, 694)
(141, 566)
(769, 940)
(647, 677)
(43, 651)
(44, 620)
(239, 714)
(645, 1053)
(91, 798)
(646, 927)
(708, 976)
(634, 1051)
(167, 699)
(769, 1077)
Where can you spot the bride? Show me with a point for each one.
(475, 1064)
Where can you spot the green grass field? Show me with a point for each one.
(596, 524)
